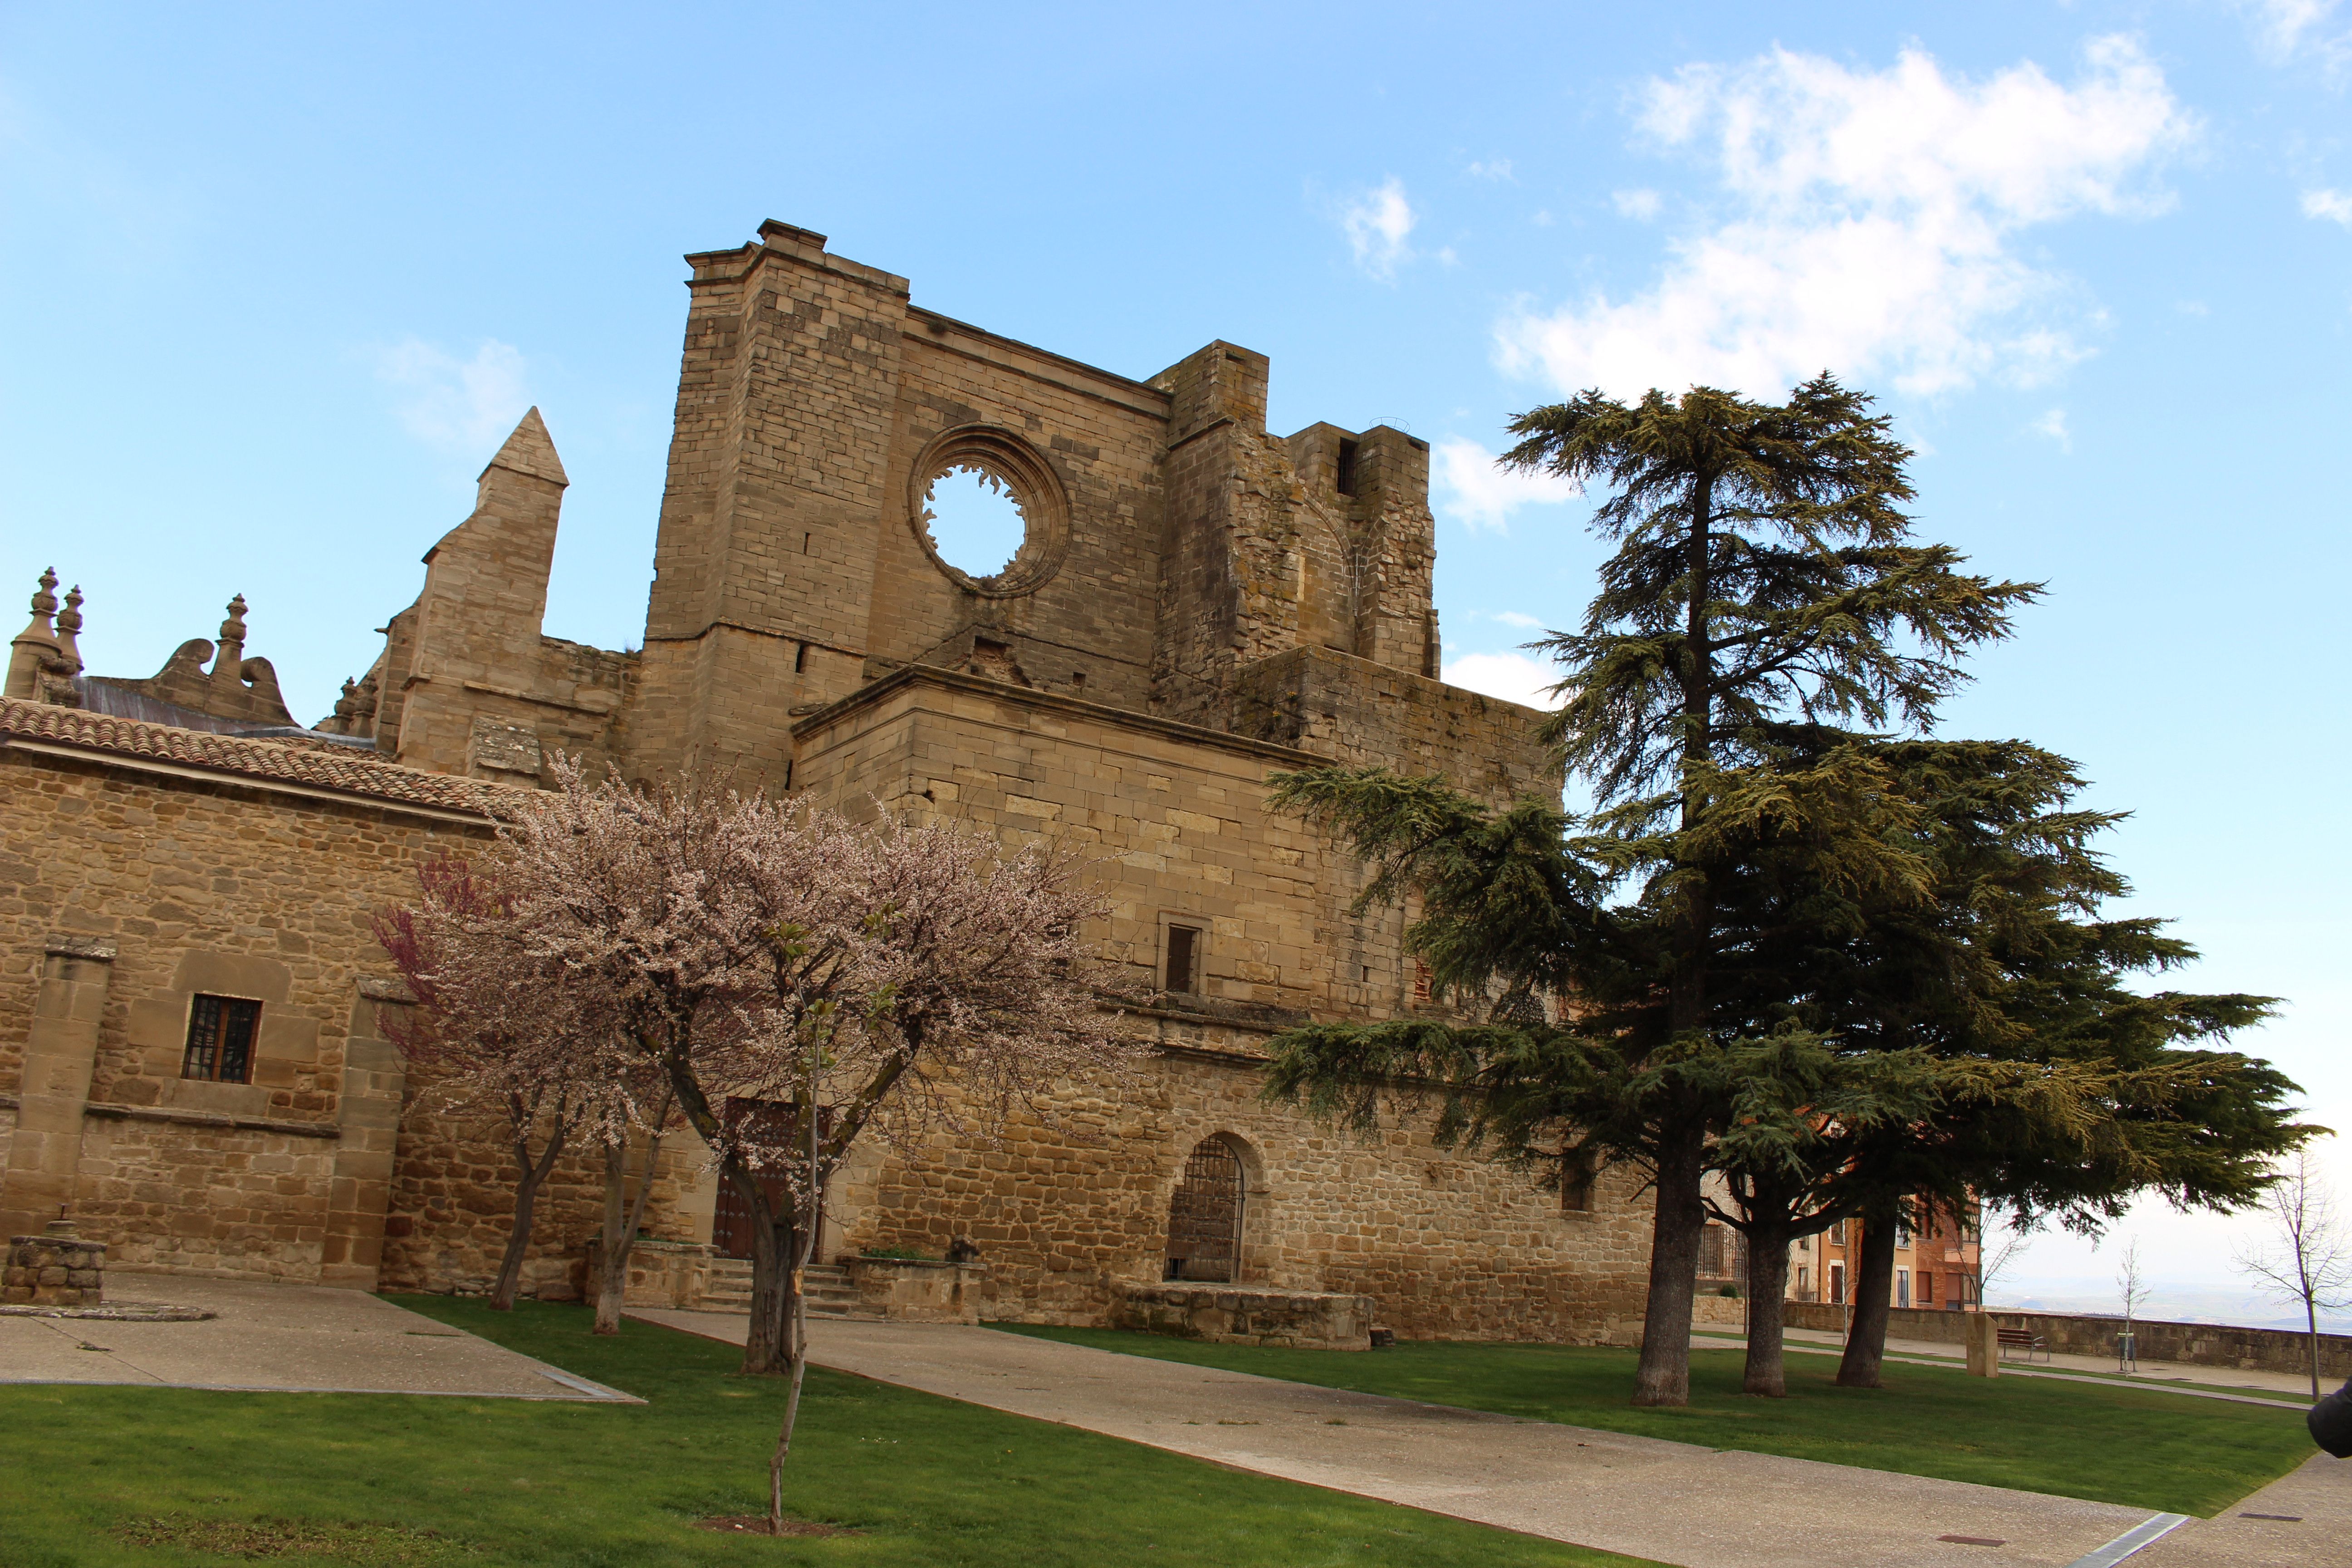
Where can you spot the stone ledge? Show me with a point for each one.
(213, 1119)
(80, 947)
(1245, 1314)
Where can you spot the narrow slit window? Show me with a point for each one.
(1346, 481)
(799, 659)
(1183, 960)
(220, 1039)
(1421, 988)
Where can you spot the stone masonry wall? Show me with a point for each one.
(216, 887)
(1446, 1247)
(1174, 824)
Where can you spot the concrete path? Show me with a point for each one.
(288, 1338)
(1669, 1502)
(2302, 1520)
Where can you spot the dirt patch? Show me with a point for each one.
(361, 1544)
(757, 1524)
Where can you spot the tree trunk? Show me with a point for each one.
(614, 1256)
(2311, 1316)
(1874, 1291)
(625, 1225)
(804, 1243)
(1768, 1289)
(765, 1346)
(509, 1281)
(1663, 1375)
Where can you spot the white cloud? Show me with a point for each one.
(1513, 676)
(2334, 205)
(1641, 204)
(1868, 223)
(462, 406)
(1493, 169)
(1377, 224)
(1513, 618)
(2285, 29)
(1483, 496)
(2193, 307)
(2053, 424)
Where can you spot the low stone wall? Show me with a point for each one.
(2193, 1344)
(1246, 1315)
(54, 1270)
(672, 1274)
(1719, 1309)
(916, 1291)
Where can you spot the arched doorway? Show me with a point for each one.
(1205, 1217)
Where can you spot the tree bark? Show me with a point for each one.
(765, 1347)
(622, 1224)
(1662, 1373)
(2311, 1316)
(509, 1281)
(1874, 1291)
(1768, 1289)
(613, 1261)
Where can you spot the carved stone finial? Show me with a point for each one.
(35, 659)
(233, 628)
(68, 625)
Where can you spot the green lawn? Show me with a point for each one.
(116, 1476)
(2162, 1451)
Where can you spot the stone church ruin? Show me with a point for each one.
(192, 1056)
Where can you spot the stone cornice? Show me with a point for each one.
(1050, 702)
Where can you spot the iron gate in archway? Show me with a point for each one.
(1205, 1217)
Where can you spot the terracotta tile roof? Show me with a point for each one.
(310, 767)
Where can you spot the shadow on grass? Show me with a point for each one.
(117, 1475)
(2171, 1453)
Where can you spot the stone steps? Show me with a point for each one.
(830, 1293)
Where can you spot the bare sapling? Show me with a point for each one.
(2308, 1260)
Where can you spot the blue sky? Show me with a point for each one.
(277, 280)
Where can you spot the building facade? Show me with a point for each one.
(191, 1000)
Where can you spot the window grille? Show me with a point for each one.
(220, 1039)
(1710, 1252)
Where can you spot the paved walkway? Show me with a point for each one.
(1669, 1502)
(2302, 1519)
(292, 1338)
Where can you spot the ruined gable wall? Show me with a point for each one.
(1101, 437)
(770, 516)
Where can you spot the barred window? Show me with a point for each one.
(220, 1039)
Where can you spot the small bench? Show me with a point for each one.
(2023, 1340)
